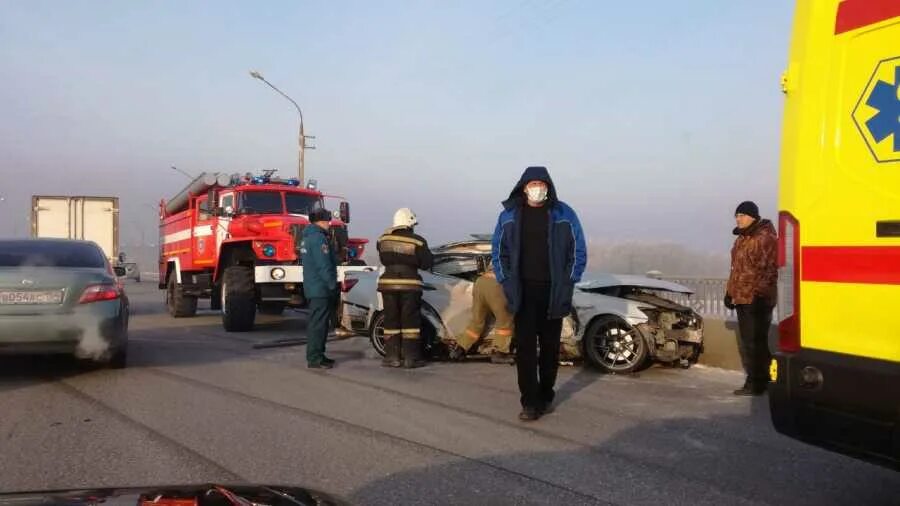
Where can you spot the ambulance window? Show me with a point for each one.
(261, 203)
(299, 203)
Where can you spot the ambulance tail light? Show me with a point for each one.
(788, 282)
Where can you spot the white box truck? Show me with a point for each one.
(79, 217)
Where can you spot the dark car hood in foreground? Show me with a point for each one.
(175, 495)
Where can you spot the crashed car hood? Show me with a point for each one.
(608, 280)
(173, 495)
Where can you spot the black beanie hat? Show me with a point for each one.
(749, 208)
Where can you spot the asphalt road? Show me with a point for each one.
(197, 404)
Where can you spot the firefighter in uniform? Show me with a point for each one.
(487, 299)
(403, 254)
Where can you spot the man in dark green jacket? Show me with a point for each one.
(319, 285)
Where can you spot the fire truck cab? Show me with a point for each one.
(235, 239)
(835, 378)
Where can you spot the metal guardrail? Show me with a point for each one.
(708, 297)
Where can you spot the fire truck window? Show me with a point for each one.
(204, 209)
(261, 203)
(301, 204)
(228, 201)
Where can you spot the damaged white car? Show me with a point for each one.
(619, 324)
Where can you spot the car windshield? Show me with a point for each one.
(261, 203)
(50, 254)
(301, 203)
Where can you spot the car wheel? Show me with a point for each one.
(238, 299)
(376, 333)
(119, 358)
(179, 304)
(614, 346)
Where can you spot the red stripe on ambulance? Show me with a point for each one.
(853, 14)
(878, 265)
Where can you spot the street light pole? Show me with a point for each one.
(302, 135)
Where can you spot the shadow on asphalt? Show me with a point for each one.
(671, 461)
(20, 371)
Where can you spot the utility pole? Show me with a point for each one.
(302, 137)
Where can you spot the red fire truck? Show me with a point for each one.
(235, 239)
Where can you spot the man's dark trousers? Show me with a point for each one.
(537, 374)
(320, 314)
(754, 321)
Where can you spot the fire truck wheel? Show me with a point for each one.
(275, 308)
(179, 304)
(238, 299)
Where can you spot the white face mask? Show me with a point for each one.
(536, 194)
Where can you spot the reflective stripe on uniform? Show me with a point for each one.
(503, 332)
(391, 332)
(410, 331)
(472, 333)
(400, 238)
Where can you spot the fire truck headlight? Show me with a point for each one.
(268, 250)
(277, 273)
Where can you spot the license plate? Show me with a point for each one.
(9, 297)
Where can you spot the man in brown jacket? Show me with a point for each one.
(752, 291)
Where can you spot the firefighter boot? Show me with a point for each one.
(412, 354)
(391, 352)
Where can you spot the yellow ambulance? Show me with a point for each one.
(835, 378)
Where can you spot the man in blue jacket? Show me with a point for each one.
(538, 255)
(319, 286)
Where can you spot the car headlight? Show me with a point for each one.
(277, 273)
(268, 250)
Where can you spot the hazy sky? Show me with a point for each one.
(655, 118)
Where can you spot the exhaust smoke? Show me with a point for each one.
(91, 345)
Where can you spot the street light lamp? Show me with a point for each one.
(302, 137)
(187, 175)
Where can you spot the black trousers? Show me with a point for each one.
(754, 321)
(402, 313)
(320, 309)
(537, 348)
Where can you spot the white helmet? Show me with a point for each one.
(405, 218)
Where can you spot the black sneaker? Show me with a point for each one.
(328, 361)
(502, 358)
(457, 353)
(391, 362)
(320, 365)
(750, 391)
(529, 415)
(547, 409)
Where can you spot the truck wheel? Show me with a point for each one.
(274, 308)
(179, 304)
(238, 299)
(614, 346)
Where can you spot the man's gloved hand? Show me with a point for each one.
(728, 302)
